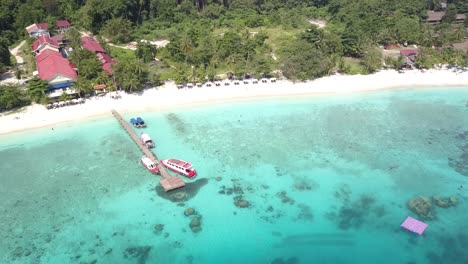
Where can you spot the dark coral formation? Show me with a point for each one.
(421, 206)
(352, 214)
(179, 125)
(158, 228)
(183, 194)
(451, 249)
(241, 203)
(195, 224)
(139, 253)
(305, 185)
(460, 163)
(305, 213)
(285, 198)
(237, 190)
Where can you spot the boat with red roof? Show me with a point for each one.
(180, 166)
(149, 165)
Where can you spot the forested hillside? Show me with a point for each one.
(252, 37)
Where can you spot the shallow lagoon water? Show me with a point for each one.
(327, 180)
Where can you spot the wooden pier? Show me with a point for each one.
(167, 181)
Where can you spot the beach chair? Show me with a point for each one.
(141, 122)
(134, 122)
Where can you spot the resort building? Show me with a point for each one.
(410, 57)
(44, 42)
(435, 17)
(91, 44)
(36, 30)
(62, 26)
(56, 70)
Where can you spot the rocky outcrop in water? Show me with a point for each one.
(421, 206)
(444, 202)
(189, 211)
(195, 224)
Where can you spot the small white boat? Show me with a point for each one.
(149, 165)
(146, 139)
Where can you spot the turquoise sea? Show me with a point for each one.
(324, 180)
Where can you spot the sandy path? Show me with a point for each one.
(14, 51)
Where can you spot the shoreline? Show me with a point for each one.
(168, 96)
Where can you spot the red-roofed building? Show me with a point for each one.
(45, 42)
(409, 52)
(36, 30)
(409, 56)
(62, 25)
(106, 61)
(55, 69)
(91, 44)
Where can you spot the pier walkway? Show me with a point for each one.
(167, 181)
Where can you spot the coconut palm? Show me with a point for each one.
(186, 46)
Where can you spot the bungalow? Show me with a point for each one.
(45, 42)
(62, 25)
(91, 44)
(410, 56)
(55, 69)
(435, 17)
(36, 30)
(106, 61)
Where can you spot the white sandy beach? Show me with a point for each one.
(37, 116)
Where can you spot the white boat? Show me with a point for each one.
(180, 166)
(149, 165)
(146, 139)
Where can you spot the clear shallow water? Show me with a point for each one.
(315, 172)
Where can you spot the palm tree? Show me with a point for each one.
(459, 32)
(186, 46)
(132, 83)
